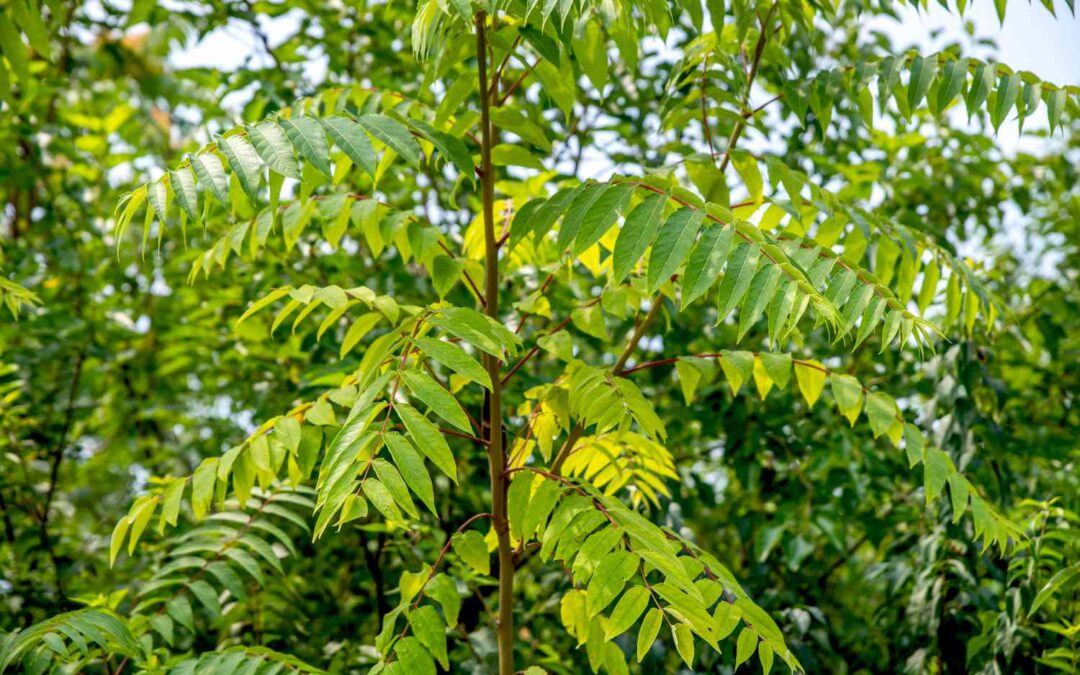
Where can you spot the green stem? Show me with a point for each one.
(579, 430)
(504, 626)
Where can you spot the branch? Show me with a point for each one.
(704, 107)
(575, 434)
(737, 130)
(516, 84)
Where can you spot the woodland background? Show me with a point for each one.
(122, 371)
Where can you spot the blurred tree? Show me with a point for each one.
(571, 242)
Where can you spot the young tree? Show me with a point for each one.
(513, 361)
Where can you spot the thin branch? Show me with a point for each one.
(442, 554)
(543, 289)
(755, 111)
(468, 279)
(578, 430)
(516, 84)
(536, 348)
(737, 130)
(704, 107)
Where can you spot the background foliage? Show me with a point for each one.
(127, 367)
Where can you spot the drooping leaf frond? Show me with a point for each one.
(82, 634)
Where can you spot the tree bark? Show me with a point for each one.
(504, 625)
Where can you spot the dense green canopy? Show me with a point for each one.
(475, 336)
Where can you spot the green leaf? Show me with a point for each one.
(523, 221)
(273, 146)
(1008, 90)
(765, 655)
(609, 579)
(777, 367)
(427, 437)
(13, 48)
(244, 162)
(479, 330)
(849, 396)
(636, 235)
(516, 122)
(545, 215)
(164, 626)
(246, 563)
(762, 288)
(914, 443)
(745, 646)
(445, 273)
(182, 182)
(309, 139)
(706, 261)
(412, 469)
(140, 514)
(206, 595)
(394, 135)
(953, 299)
(444, 591)
(923, 72)
(350, 137)
(627, 611)
(455, 358)
(882, 412)
(650, 628)
(590, 320)
(672, 244)
(505, 154)
(979, 89)
(737, 367)
(429, 629)
(395, 485)
(1055, 105)
(211, 173)
(170, 502)
(953, 78)
(202, 487)
(471, 547)
(591, 53)
(540, 506)
(1059, 580)
(601, 216)
(381, 498)
(810, 376)
(438, 399)
(179, 608)
(30, 19)
(359, 328)
(936, 472)
(747, 167)
(585, 196)
(518, 501)
(740, 270)
(689, 378)
(116, 542)
(931, 276)
(684, 643)
(958, 495)
(414, 659)
(229, 579)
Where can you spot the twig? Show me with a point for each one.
(704, 107)
(516, 84)
(737, 130)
